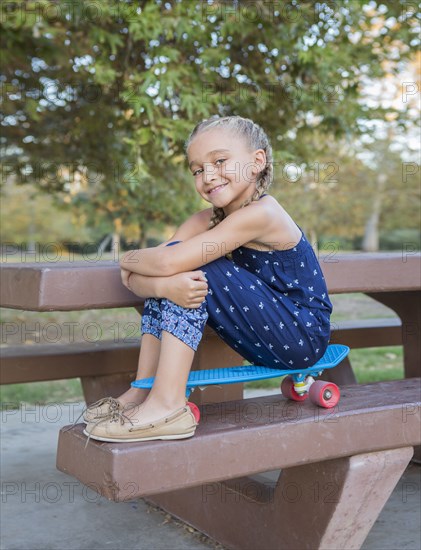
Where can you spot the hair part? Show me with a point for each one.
(255, 137)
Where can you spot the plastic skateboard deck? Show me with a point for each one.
(334, 354)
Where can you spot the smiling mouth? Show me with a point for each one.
(216, 189)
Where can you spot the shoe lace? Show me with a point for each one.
(113, 416)
(113, 404)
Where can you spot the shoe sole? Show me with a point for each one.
(134, 440)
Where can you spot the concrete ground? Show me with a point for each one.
(42, 508)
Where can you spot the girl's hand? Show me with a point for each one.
(187, 289)
(125, 274)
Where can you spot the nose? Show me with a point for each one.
(209, 172)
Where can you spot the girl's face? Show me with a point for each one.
(224, 168)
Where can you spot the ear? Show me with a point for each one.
(259, 161)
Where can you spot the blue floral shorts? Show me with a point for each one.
(186, 324)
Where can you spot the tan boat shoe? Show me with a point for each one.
(120, 428)
(103, 409)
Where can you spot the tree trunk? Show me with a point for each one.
(104, 243)
(371, 232)
(115, 245)
(31, 244)
(143, 237)
(115, 242)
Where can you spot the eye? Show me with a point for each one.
(200, 170)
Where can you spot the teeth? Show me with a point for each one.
(219, 186)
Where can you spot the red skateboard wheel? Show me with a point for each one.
(288, 390)
(324, 394)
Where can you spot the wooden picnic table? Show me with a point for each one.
(364, 452)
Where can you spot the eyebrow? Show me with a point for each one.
(209, 154)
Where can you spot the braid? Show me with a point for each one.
(256, 138)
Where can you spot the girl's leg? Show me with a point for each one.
(180, 331)
(147, 366)
(168, 392)
(149, 351)
(170, 336)
(147, 363)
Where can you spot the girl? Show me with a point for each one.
(264, 292)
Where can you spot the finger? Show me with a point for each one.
(197, 275)
(197, 302)
(198, 295)
(201, 286)
(195, 305)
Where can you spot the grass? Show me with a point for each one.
(32, 328)
(41, 393)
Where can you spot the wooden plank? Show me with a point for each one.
(38, 363)
(67, 286)
(371, 272)
(64, 286)
(367, 333)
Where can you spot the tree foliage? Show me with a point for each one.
(110, 90)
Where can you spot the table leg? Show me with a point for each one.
(214, 353)
(408, 306)
(325, 505)
(342, 374)
(111, 385)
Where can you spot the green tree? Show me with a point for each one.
(29, 227)
(114, 89)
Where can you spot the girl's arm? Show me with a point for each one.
(195, 225)
(146, 287)
(241, 226)
(185, 289)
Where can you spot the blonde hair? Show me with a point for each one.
(255, 138)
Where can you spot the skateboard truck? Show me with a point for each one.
(302, 386)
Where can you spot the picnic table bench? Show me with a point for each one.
(362, 450)
(338, 467)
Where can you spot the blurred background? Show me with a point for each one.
(98, 98)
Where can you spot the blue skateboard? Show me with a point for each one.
(298, 384)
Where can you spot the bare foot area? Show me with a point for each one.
(133, 396)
